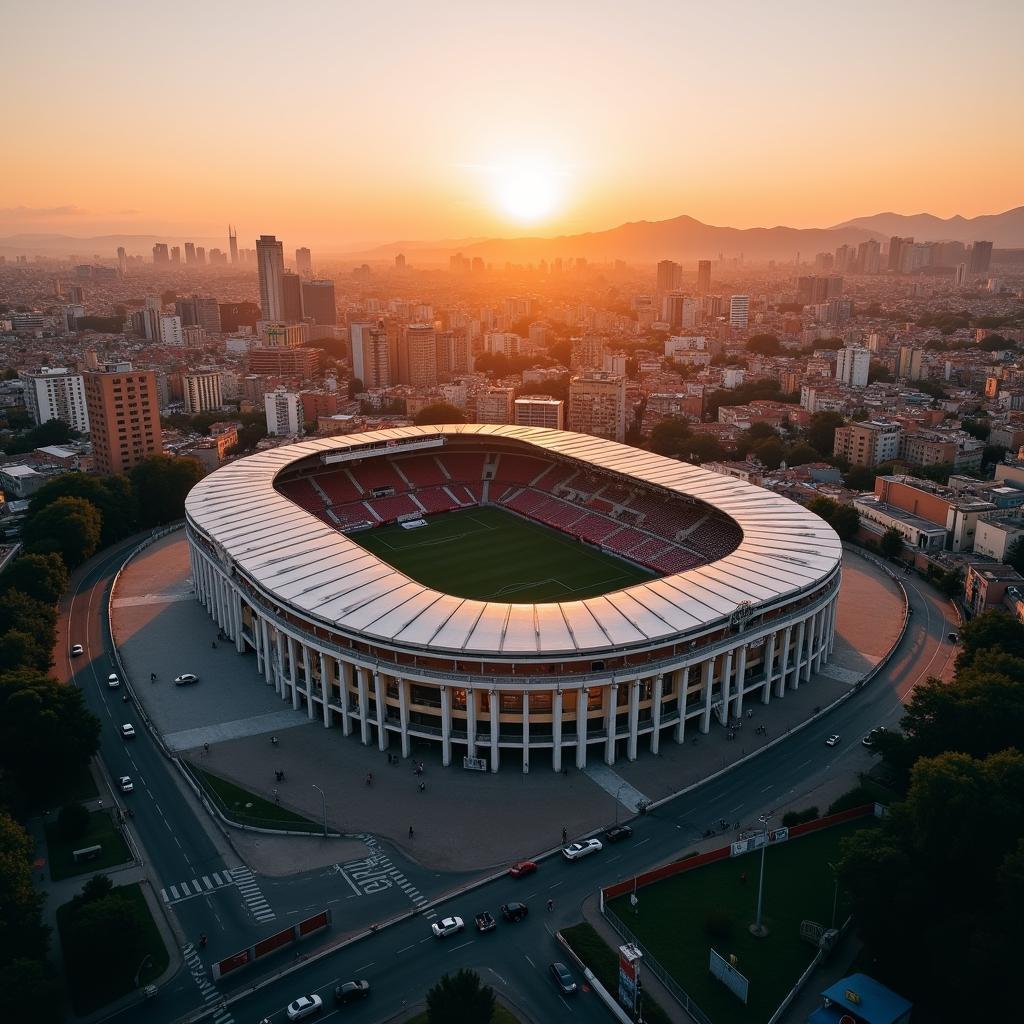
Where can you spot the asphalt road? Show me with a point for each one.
(403, 960)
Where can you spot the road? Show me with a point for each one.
(401, 961)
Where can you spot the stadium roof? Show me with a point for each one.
(320, 572)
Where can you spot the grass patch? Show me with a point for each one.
(490, 554)
(680, 919)
(89, 992)
(247, 808)
(502, 1015)
(102, 832)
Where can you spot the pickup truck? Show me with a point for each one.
(485, 922)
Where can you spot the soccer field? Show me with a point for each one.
(490, 554)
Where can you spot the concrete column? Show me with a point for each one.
(446, 726)
(268, 670)
(526, 732)
(239, 638)
(378, 691)
(495, 729)
(345, 670)
(257, 635)
(582, 697)
(725, 687)
(293, 673)
(325, 686)
(809, 647)
(769, 667)
(634, 719)
(741, 676)
(659, 685)
(832, 627)
(684, 685)
(611, 694)
(403, 713)
(780, 683)
(222, 617)
(470, 723)
(307, 666)
(707, 682)
(364, 709)
(798, 651)
(279, 675)
(556, 731)
(824, 619)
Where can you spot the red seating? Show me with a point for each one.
(553, 478)
(338, 487)
(303, 493)
(421, 471)
(463, 465)
(436, 499)
(351, 514)
(377, 473)
(518, 469)
(392, 507)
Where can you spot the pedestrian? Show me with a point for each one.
(273, 741)
(551, 905)
(213, 644)
(206, 748)
(423, 786)
(410, 831)
(369, 778)
(750, 713)
(743, 878)
(277, 798)
(565, 833)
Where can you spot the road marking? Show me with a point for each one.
(405, 949)
(463, 946)
(251, 895)
(365, 967)
(641, 843)
(530, 962)
(805, 764)
(766, 788)
(181, 891)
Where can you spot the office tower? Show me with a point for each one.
(200, 256)
(190, 253)
(291, 362)
(455, 262)
(495, 405)
(981, 257)
(76, 294)
(270, 264)
(284, 412)
(852, 365)
(124, 416)
(318, 301)
(56, 393)
(218, 258)
(897, 246)
(233, 243)
(597, 405)
(672, 309)
(833, 286)
(909, 366)
(869, 256)
(235, 315)
(823, 261)
(739, 311)
(417, 356)
(960, 278)
(703, 277)
(540, 411)
(170, 330)
(400, 261)
(175, 254)
(303, 262)
(283, 335)
(199, 311)
(842, 259)
(670, 276)
(291, 289)
(372, 359)
(161, 257)
(201, 391)
(122, 260)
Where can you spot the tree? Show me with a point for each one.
(891, 543)
(991, 630)
(50, 432)
(860, 478)
(161, 485)
(438, 412)
(97, 927)
(764, 344)
(703, 448)
(73, 821)
(460, 999)
(25, 982)
(821, 431)
(22, 933)
(28, 631)
(670, 437)
(69, 526)
(842, 518)
(112, 495)
(992, 455)
(769, 452)
(43, 577)
(801, 454)
(1015, 555)
(877, 372)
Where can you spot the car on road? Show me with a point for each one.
(186, 679)
(127, 731)
(514, 911)
(869, 740)
(576, 850)
(350, 991)
(522, 867)
(76, 650)
(954, 638)
(563, 979)
(112, 681)
(447, 926)
(833, 740)
(126, 784)
(617, 833)
(304, 1006)
(485, 922)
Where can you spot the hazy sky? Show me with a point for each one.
(346, 123)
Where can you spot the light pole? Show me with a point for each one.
(835, 891)
(324, 799)
(758, 928)
(145, 960)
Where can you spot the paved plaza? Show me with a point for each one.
(462, 820)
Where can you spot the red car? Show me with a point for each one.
(523, 867)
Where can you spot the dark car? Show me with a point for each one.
(563, 979)
(350, 991)
(617, 833)
(514, 911)
(485, 921)
(522, 867)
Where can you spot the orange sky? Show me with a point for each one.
(333, 125)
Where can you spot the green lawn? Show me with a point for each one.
(502, 1015)
(249, 809)
(89, 992)
(491, 554)
(102, 832)
(671, 920)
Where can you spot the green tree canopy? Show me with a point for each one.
(460, 998)
(43, 577)
(670, 437)
(801, 454)
(112, 495)
(98, 927)
(764, 344)
(27, 632)
(69, 526)
(22, 933)
(25, 982)
(891, 543)
(842, 518)
(992, 630)
(1015, 554)
(770, 452)
(439, 412)
(161, 484)
(821, 431)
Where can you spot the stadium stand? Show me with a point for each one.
(421, 471)
(518, 469)
(462, 466)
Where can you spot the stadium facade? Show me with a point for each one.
(743, 607)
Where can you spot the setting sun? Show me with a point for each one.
(528, 192)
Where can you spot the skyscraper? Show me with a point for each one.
(597, 405)
(201, 391)
(55, 393)
(124, 416)
(175, 254)
(233, 243)
(739, 311)
(703, 277)
(670, 276)
(318, 302)
(304, 262)
(190, 253)
(417, 356)
(371, 355)
(896, 247)
(122, 260)
(960, 278)
(981, 257)
(852, 366)
(160, 254)
(291, 289)
(270, 263)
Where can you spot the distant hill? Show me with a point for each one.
(1004, 230)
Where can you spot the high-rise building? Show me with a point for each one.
(284, 412)
(291, 288)
(842, 259)
(400, 261)
(852, 366)
(909, 365)
(981, 257)
(235, 315)
(200, 256)
(176, 255)
(587, 352)
(739, 311)
(372, 360)
(190, 254)
(670, 276)
(233, 243)
(170, 330)
(960, 278)
(270, 264)
(56, 393)
(417, 356)
(868, 444)
(199, 311)
(122, 260)
(495, 405)
(161, 257)
(201, 391)
(672, 309)
(124, 416)
(303, 262)
(896, 248)
(318, 301)
(703, 277)
(597, 405)
(540, 411)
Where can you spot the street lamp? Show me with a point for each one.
(324, 799)
(758, 928)
(835, 891)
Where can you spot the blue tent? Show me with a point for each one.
(864, 999)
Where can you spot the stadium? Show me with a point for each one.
(511, 592)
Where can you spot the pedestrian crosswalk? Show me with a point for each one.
(216, 1008)
(196, 886)
(376, 873)
(252, 895)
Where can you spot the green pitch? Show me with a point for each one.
(490, 554)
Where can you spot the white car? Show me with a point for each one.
(127, 731)
(577, 850)
(126, 784)
(185, 679)
(76, 650)
(833, 740)
(447, 926)
(112, 681)
(304, 1006)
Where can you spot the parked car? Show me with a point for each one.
(617, 833)
(869, 740)
(126, 784)
(350, 991)
(127, 731)
(485, 921)
(304, 1006)
(186, 679)
(833, 740)
(112, 681)
(76, 650)
(447, 926)
(522, 867)
(563, 979)
(514, 911)
(576, 850)
(954, 638)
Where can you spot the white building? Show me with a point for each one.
(739, 311)
(202, 391)
(284, 412)
(852, 365)
(170, 330)
(502, 343)
(540, 411)
(55, 393)
(495, 405)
